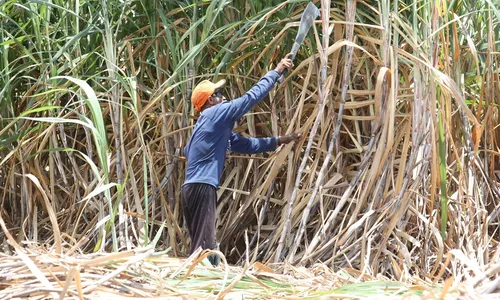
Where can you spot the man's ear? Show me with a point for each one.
(209, 101)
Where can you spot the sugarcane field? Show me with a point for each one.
(243, 149)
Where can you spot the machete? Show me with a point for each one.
(306, 21)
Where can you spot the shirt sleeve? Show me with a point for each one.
(230, 111)
(240, 144)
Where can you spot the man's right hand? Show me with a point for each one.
(285, 63)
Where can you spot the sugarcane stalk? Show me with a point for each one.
(325, 7)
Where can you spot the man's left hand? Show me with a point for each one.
(292, 137)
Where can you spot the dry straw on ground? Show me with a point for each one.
(141, 273)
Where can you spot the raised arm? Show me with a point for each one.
(235, 109)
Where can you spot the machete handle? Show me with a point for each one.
(282, 77)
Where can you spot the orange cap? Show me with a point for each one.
(204, 90)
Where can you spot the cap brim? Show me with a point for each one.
(220, 83)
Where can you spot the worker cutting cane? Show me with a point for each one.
(206, 150)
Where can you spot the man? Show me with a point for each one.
(206, 151)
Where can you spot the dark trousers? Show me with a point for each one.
(199, 202)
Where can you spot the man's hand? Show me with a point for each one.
(292, 137)
(285, 63)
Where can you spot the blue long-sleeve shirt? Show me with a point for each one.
(213, 136)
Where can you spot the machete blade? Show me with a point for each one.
(306, 21)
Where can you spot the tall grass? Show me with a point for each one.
(397, 99)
